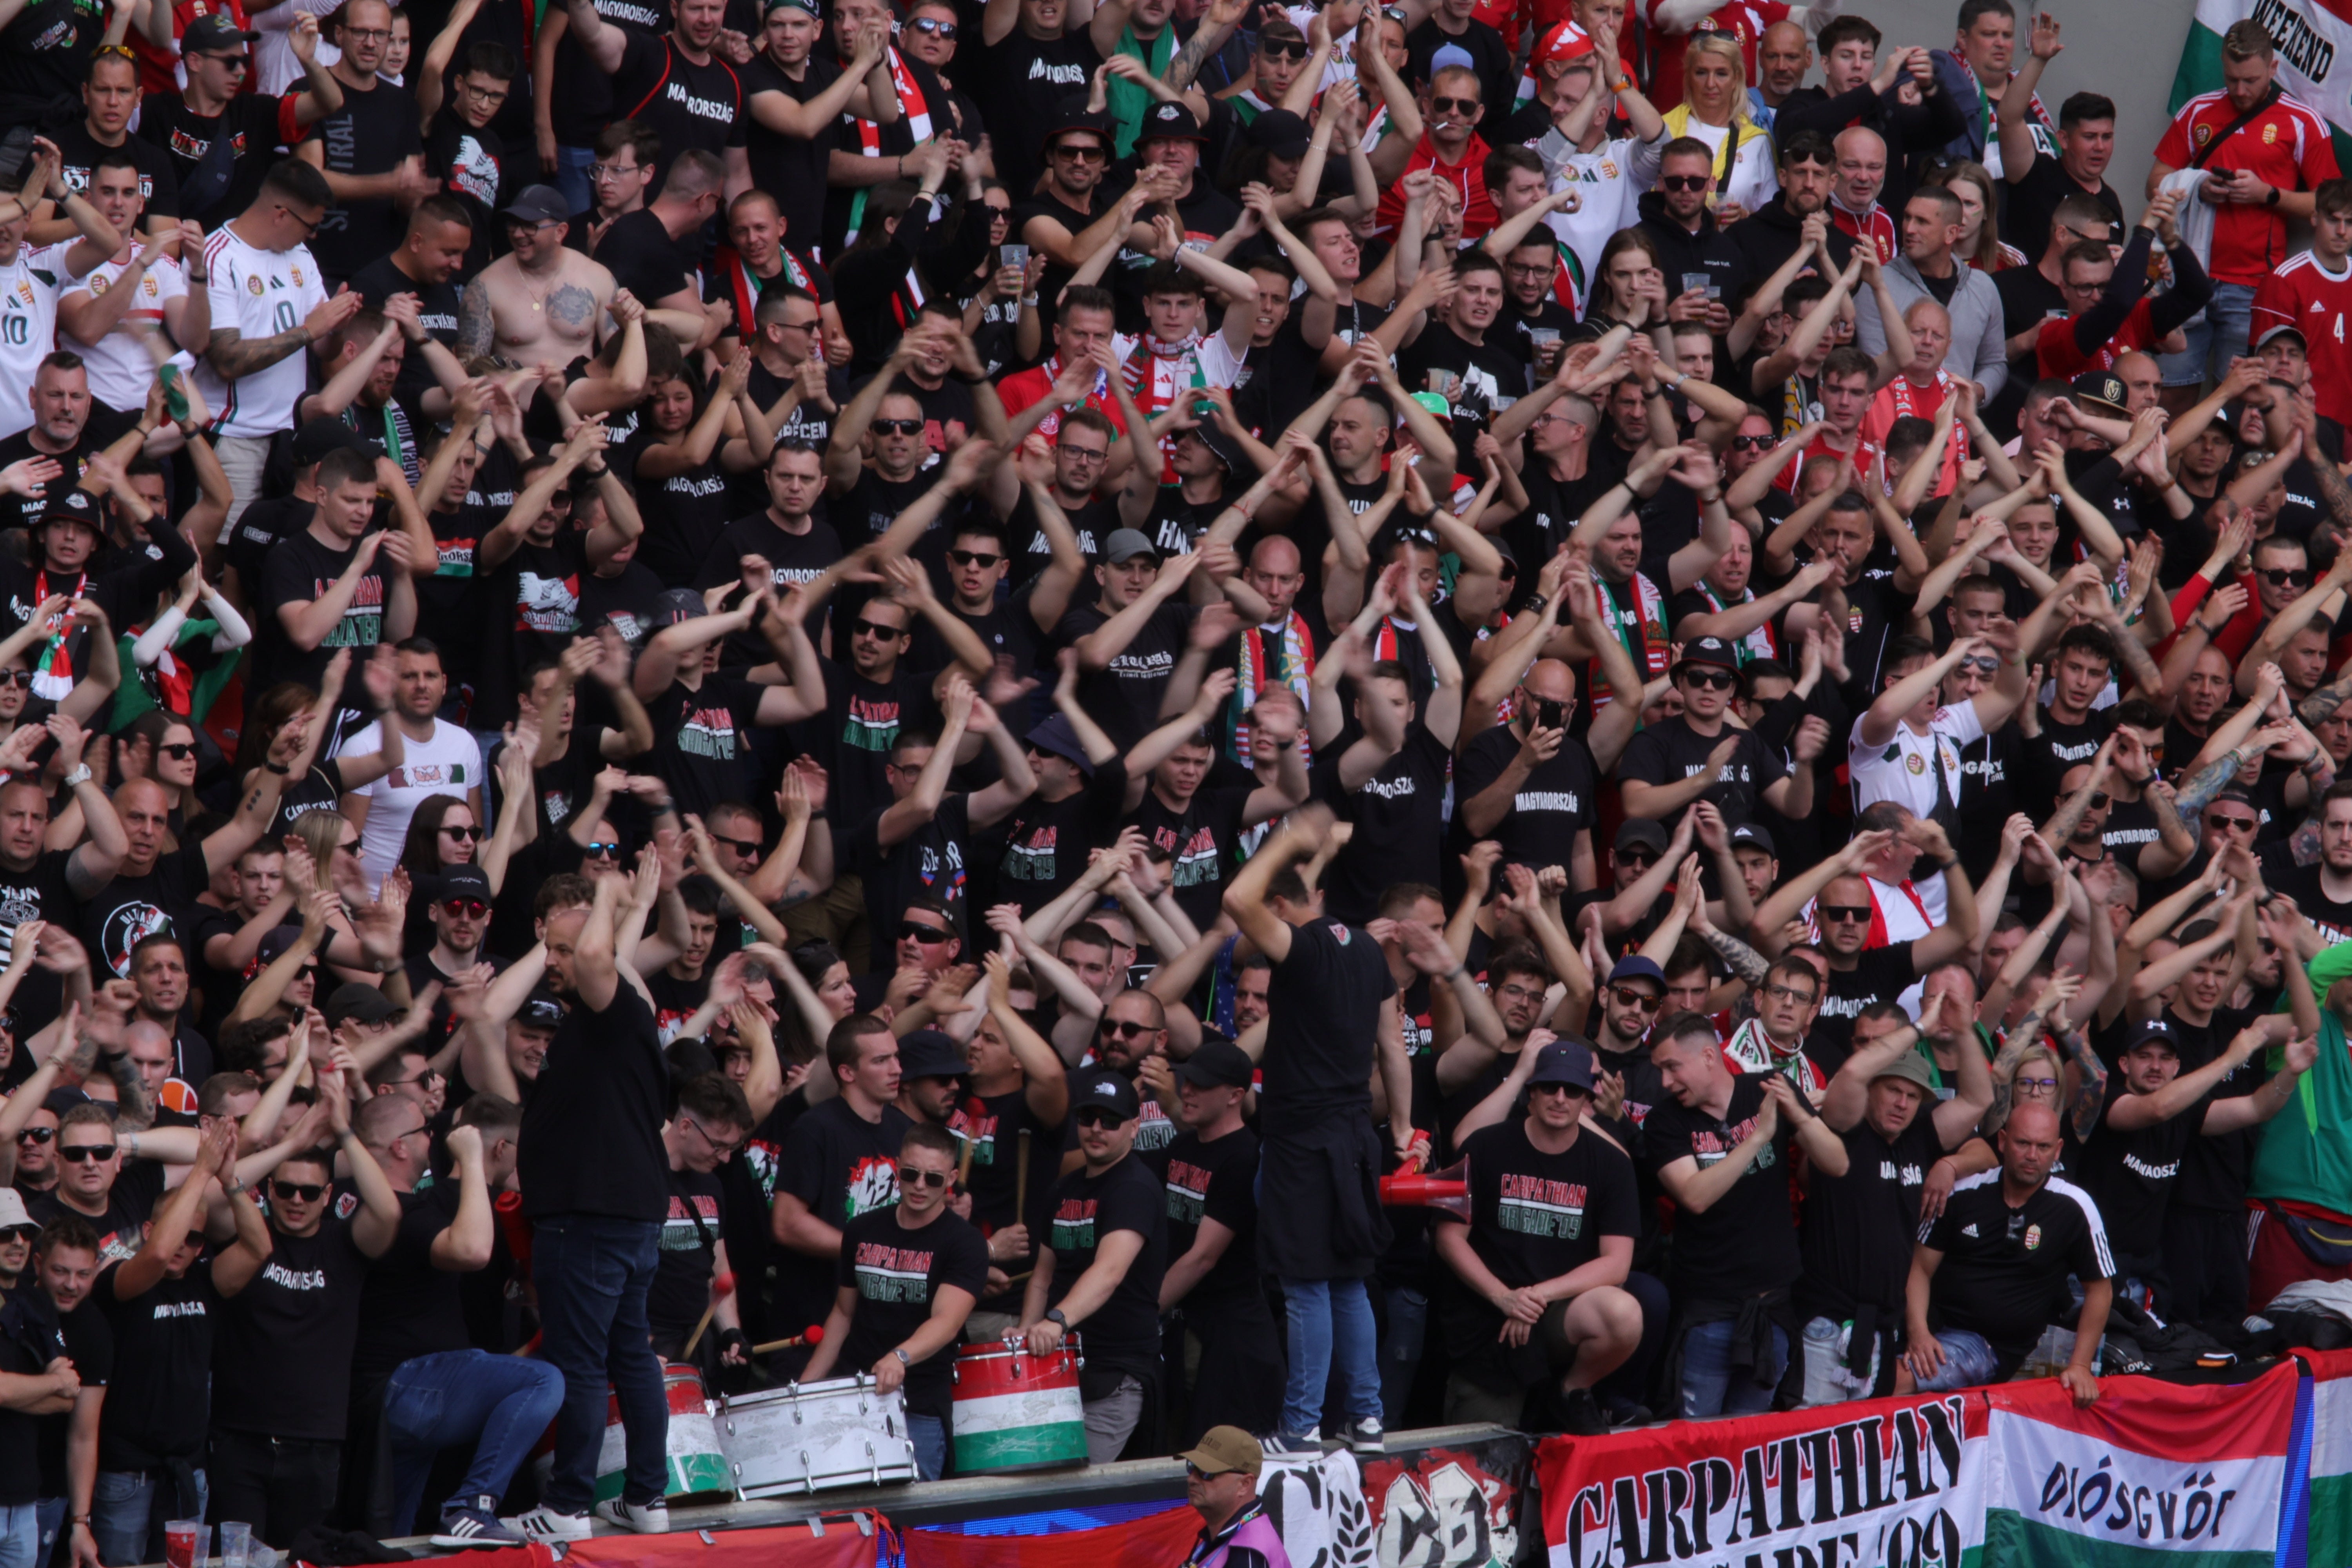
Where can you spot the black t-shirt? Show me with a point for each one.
(2213, 1168)
(853, 735)
(1324, 1012)
(897, 1272)
(255, 126)
(592, 1126)
(792, 170)
(282, 1355)
(690, 1234)
(1124, 696)
(1205, 839)
(689, 105)
(1490, 57)
(1535, 1217)
(157, 182)
(1879, 975)
(1550, 808)
(299, 570)
(89, 1343)
(628, 601)
(1858, 1227)
(1216, 1181)
(2043, 758)
(2025, 215)
(930, 862)
(159, 1406)
(1491, 374)
(1399, 820)
(374, 133)
(641, 257)
(1670, 752)
(840, 1167)
(437, 312)
(130, 1203)
(580, 96)
(98, 431)
(2003, 1274)
(1744, 1243)
(702, 740)
(45, 54)
(1123, 1333)
(1036, 76)
(2130, 1174)
(129, 909)
(1046, 841)
(472, 165)
(409, 1308)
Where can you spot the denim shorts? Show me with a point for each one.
(1969, 1361)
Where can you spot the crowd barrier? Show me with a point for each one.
(2155, 1475)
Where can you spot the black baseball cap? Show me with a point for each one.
(2102, 392)
(1107, 1092)
(1280, 132)
(1708, 650)
(538, 203)
(214, 33)
(463, 881)
(1171, 121)
(1218, 1063)
(676, 605)
(317, 438)
(927, 1053)
(356, 1002)
(75, 505)
(1755, 836)
(1641, 833)
(2154, 1029)
(540, 1010)
(1563, 1061)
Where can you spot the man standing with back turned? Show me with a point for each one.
(1332, 997)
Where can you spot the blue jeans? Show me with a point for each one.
(571, 175)
(930, 1437)
(1968, 1360)
(591, 1273)
(500, 1403)
(1707, 1386)
(1325, 1315)
(20, 1536)
(1400, 1349)
(127, 1511)
(2217, 337)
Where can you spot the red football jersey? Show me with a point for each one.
(2303, 295)
(2286, 145)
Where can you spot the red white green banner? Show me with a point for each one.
(2154, 1474)
(2328, 1504)
(1846, 1486)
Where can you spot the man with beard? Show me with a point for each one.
(539, 303)
(1032, 48)
(370, 150)
(153, 891)
(1856, 1225)
(1807, 170)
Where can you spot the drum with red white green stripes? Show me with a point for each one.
(1017, 1411)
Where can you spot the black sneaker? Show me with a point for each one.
(1581, 1414)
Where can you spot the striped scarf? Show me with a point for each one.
(916, 113)
(1642, 628)
(1289, 664)
(1757, 644)
(53, 675)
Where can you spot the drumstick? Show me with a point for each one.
(721, 1287)
(813, 1334)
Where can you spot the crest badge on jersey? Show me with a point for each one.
(1341, 931)
(2270, 135)
(253, 286)
(2033, 1236)
(297, 274)
(2202, 134)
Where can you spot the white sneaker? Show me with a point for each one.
(545, 1524)
(646, 1519)
(1365, 1436)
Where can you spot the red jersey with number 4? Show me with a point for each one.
(2305, 296)
(2285, 145)
(1743, 20)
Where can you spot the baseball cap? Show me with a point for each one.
(465, 882)
(57, 1101)
(317, 438)
(356, 1002)
(2283, 330)
(2103, 389)
(927, 1053)
(1707, 650)
(1280, 132)
(1641, 833)
(1055, 736)
(274, 943)
(676, 605)
(1564, 42)
(1911, 1068)
(1221, 446)
(1755, 837)
(1107, 1092)
(1126, 544)
(76, 505)
(1171, 121)
(13, 1215)
(214, 31)
(1452, 57)
(540, 1010)
(1634, 966)
(1217, 1064)
(1225, 1449)
(1563, 1061)
(2154, 1029)
(1072, 114)
(538, 203)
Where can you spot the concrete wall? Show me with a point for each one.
(2128, 49)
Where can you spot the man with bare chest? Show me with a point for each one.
(539, 303)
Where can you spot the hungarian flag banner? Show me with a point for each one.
(2308, 35)
(2196, 1474)
(1844, 1486)
(2327, 1507)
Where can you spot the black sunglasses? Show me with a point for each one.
(78, 1154)
(983, 559)
(877, 630)
(2098, 798)
(305, 1191)
(1837, 912)
(1687, 182)
(1283, 48)
(17, 676)
(2287, 576)
(1641, 1001)
(910, 1177)
(1095, 1116)
(2242, 824)
(603, 851)
(25, 1233)
(1453, 105)
(898, 427)
(1751, 443)
(741, 845)
(178, 751)
(917, 931)
(1125, 1028)
(1720, 680)
(463, 834)
(934, 26)
(36, 1134)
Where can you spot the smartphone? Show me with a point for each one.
(1551, 715)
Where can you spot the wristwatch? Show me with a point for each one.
(904, 1359)
(1055, 1318)
(78, 777)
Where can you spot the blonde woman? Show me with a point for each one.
(1980, 245)
(1714, 110)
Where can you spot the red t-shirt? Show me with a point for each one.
(1744, 20)
(1468, 176)
(1898, 399)
(1821, 451)
(2055, 355)
(2286, 145)
(1880, 226)
(2303, 295)
(1022, 388)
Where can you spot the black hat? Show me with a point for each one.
(1755, 836)
(1056, 737)
(676, 605)
(1218, 1063)
(927, 1053)
(212, 33)
(1170, 122)
(1641, 833)
(1707, 650)
(538, 203)
(75, 505)
(1221, 446)
(274, 943)
(356, 1002)
(1107, 1092)
(2102, 392)
(1280, 132)
(1563, 1061)
(540, 1010)
(465, 882)
(317, 438)
(2154, 1029)
(1072, 114)
(57, 1101)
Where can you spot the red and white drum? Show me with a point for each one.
(1017, 1411)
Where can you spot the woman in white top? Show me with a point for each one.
(1714, 110)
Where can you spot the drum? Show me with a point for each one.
(697, 1465)
(1017, 1411)
(806, 1437)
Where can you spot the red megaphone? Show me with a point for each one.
(1447, 1190)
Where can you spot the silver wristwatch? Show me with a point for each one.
(78, 777)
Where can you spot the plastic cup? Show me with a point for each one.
(185, 1542)
(1543, 337)
(235, 1542)
(1695, 282)
(1014, 254)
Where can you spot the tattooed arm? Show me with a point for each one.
(2176, 845)
(474, 322)
(2322, 704)
(1741, 959)
(2091, 1088)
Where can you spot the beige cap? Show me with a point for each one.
(1225, 1449)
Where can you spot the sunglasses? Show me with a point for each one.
(2242, 824)
(898, 427)
(1568, 1089)
(983, 559)
(28, 1233)
(1983, 664)
(1087, 153)
(1751, 443)
(36, 1134)
(178, 751)
(1638, 856)
(1453, 105)
(910, 1177)
(2098, 798)
(1716, 679)
(741, 845)
(1858, 914)
(1125, 1028)
(463, 834)
(876, 630)
(1640, 1001)
(603, 851)
(1287, 48)
(933, 25)
(79, 1153)
(302, 1192)
(916, 931)
(2286, 577)
(1092, 1115)
(1687, 182)
(465, 908)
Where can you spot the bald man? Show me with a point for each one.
(1783, 55)
(1891, 92)
(1920, 388)
(1861, 175)
(1280, 650)
(1530, 782)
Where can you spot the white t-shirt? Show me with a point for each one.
(257, 294)
(447, 763)
(1914, 770)
(121, 369)
(1606, 193)
(28, 328)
